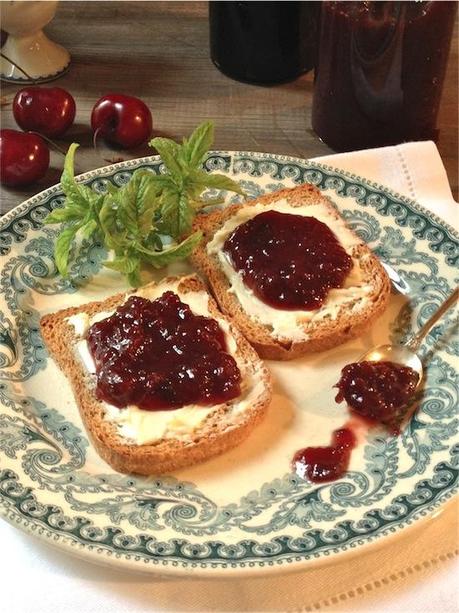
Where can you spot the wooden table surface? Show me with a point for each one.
(159, 51)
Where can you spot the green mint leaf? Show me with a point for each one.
(95, 200)
(62, 248)
(167, 222)
(90, 228)
(80, 208)
(68, 183)
(160, 182)
(185, 216)
(146, 221)
(215, 181)
(125, 264)
(134, 209)
(112, 189)
(200, 203)
(158, 259)
(126, 215)
(114, 237)
(69, 213)
(76, 193)
(138, 202)
(176, 214)
(169, 151)
(134, 277)
(80, 200)
(195, 148)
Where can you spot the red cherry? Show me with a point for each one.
(47, 110)
(123, 121)
(24, 158)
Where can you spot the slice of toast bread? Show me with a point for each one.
(324, 329)
(223, 428)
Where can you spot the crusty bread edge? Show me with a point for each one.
(268, 346)
(168, 454)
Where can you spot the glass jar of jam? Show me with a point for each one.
(263, 42)
(380, 72)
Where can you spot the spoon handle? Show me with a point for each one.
(416, 340)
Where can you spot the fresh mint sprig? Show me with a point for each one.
(148, 220)
(183, 185)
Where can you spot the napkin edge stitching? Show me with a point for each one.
(365, 588)
(406, 172)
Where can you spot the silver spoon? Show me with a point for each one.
(406, 354)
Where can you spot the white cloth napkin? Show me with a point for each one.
(414, 170)
(415, 571)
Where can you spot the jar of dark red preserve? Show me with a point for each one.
(380, 72)
(263, 42)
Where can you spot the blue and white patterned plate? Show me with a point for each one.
(244, 511)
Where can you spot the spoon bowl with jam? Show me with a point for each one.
(381, 387)
(384, 381)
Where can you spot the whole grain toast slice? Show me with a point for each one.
(219, 432)
(318, 334)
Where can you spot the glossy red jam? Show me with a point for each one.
(288, 261)
(377, 390)
(159, 355)
(319, 464)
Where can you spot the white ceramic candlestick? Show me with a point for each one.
(27, 45)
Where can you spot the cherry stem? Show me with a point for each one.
(5, 57)
(94, 141)
(96, 147)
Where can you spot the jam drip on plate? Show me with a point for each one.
(379, 391)
(289, 261)
(319, 464)
(159, 355)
